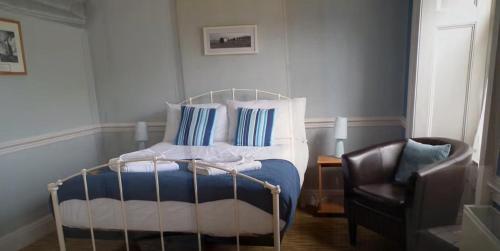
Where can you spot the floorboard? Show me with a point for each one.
(307, 233)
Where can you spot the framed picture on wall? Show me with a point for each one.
(225, 40)
(11, 48)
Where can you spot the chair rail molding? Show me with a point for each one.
(68, 134)
(48, 138)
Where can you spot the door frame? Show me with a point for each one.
(482, 193)
(485, 171)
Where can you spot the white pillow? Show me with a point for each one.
(290, 115)
(174, 117)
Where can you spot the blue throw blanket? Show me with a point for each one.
(178, 186)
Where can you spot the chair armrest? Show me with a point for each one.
(434, 193)
(371, 165)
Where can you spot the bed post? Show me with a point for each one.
(196, 206)
(158, 202)
(234, 173)
(122, 205)
(53, 187)
(276, 217)
(89, 208)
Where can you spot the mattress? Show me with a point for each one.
(217, 218)
(216, 207)
(216, 203)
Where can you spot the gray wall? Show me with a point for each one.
(57, 94)
(135, 58)
(347, 57)
(25, 176)
(265, 70)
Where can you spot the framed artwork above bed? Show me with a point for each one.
(226, 40)
(12, 60)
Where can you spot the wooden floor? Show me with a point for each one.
(308, 233)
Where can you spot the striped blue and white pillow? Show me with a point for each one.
(196, 127)
(255, 127)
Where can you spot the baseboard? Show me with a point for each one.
(310, 197)
(27, 234)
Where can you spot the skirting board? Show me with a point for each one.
(310, 197)
(27, 234)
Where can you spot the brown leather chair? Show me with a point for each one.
(431, 198)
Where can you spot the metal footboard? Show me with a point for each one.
(53, 188)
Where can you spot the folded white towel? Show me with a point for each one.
(207, 168)
(141, 165)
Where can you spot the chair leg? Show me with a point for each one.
(353, 227)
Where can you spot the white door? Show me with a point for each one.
(448, 67)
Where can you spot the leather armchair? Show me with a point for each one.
(431, 198)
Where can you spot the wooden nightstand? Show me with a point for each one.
(323, 206)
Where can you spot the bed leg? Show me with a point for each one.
(196, 205)
(276, 218)
(53, 187)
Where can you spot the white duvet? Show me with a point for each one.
(216, 217)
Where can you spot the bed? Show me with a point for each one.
(251, 207)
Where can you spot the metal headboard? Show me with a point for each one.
(233, 92)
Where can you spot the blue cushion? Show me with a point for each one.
(416, 156)
(196, 127)
(255, 127)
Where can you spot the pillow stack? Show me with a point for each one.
(257, 123)
(174, 120)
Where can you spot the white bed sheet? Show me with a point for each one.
(216, 217)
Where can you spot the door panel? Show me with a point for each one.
(451, 82)
(448, 67)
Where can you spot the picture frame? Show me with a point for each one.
(230, 40)
(12, 58)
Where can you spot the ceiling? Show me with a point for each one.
(66, 11)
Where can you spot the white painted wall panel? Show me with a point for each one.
(451, 82)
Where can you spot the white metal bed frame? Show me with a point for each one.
(275, 190)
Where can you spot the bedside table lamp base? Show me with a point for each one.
(339, 148)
